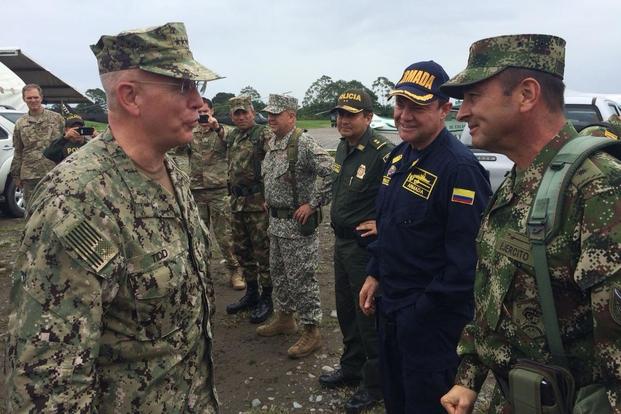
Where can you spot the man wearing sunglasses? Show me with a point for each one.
(112, 297)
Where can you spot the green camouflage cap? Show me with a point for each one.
(490, 56)
(281, 103)
(354, 101)
(163, 50)
(240, 102)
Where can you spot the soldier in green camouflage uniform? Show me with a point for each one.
(33, 133)
(509, 110)
(206, 164)
(247, 145)
(297, 183)
(111, 295)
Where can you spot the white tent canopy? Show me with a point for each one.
(11, 89)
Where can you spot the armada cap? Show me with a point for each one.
(354, 101)
(421, 82)
(281, 103)
(490, 56)
(162, 50)
(243, 102)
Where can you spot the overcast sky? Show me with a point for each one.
(279, 46)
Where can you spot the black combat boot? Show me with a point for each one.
(248, 301)
(264, 307)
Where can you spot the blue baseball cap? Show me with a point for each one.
(421, 83)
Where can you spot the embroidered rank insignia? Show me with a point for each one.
(362, 170)
(462, 196)
(420, 182)
(336, 167)
(396, 159)
(615, 305)
(90, 246)
(385, 180)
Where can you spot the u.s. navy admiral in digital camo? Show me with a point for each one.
(111, 294)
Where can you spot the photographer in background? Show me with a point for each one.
(76, 135)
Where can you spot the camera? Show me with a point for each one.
(203, 118)
(85, 130)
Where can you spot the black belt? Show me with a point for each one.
(344, 232)
(282, 213)
(245, 191)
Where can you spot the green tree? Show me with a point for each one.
(98, 96)
(222, 98)
(252, 92)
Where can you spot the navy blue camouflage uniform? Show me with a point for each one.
(428, 213)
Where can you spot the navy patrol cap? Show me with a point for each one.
(421, 82)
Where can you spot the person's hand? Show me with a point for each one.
(459, 400)
(213, 123)
(303, 213)
(72, 134)
(367, 228)
(366, 297)
(95, 133)
(265, 207)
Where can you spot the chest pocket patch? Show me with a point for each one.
(420, 182)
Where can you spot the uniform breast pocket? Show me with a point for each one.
(358, 185)
(411, 214)
(160, 297)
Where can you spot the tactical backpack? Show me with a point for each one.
(528, 378)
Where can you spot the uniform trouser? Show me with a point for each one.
(252, 245)
(293, 265)
(28, 187)
(215, 210)
(360, 340)
(418, 358)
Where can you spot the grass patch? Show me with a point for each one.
(313, 123)
(99, 126)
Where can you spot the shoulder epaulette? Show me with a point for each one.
(377, 143)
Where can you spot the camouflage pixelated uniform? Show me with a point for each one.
(585, 268)
(204, 160)
(294, 257)
(249, 222)
(111, 293)
(32, 134)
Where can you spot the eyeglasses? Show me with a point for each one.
(185, 86)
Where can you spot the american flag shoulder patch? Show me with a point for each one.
(463, 196)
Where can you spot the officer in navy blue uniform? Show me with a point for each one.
(428, 207)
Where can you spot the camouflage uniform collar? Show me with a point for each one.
(37, 117)
(535, 170)
(276, 143)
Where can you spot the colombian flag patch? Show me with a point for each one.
(462, 196)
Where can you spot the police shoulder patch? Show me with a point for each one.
(85, 243)
(614, 305)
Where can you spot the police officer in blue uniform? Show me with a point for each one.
(428, 208)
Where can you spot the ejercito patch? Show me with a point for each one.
(615, 305)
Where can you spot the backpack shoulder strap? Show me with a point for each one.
(292, 157)
(544, 223)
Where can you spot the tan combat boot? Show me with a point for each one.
(237, 280)
(309, 342)
(282, 323)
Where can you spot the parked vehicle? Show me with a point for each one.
(11, 198)
(586, 110)
(383, 124)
